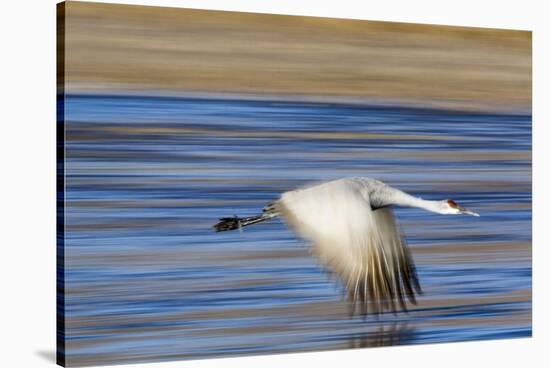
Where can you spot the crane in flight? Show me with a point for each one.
(351, 228)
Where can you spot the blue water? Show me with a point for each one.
(146, 178)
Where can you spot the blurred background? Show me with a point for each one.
(177, 117)
(121, 48)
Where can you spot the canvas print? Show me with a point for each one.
(234, 184)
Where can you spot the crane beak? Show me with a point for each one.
(464, 211)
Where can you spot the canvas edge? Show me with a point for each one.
(60, 184)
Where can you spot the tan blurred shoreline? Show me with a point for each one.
(172, 51)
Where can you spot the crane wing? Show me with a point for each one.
(363, 247)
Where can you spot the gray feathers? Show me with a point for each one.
(364, 247)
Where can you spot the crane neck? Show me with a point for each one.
(400, 198)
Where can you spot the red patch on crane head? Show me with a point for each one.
(452, 203)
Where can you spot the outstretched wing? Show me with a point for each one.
(364, 247)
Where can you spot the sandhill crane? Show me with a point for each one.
(352, 230)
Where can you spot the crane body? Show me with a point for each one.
(350, 226)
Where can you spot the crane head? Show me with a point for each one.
(453, 208)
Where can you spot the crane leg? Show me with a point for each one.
(232, 223)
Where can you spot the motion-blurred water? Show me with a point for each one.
(147, 177)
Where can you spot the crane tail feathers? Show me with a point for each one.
(381, 275)
(362, 245)
(383, 287)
